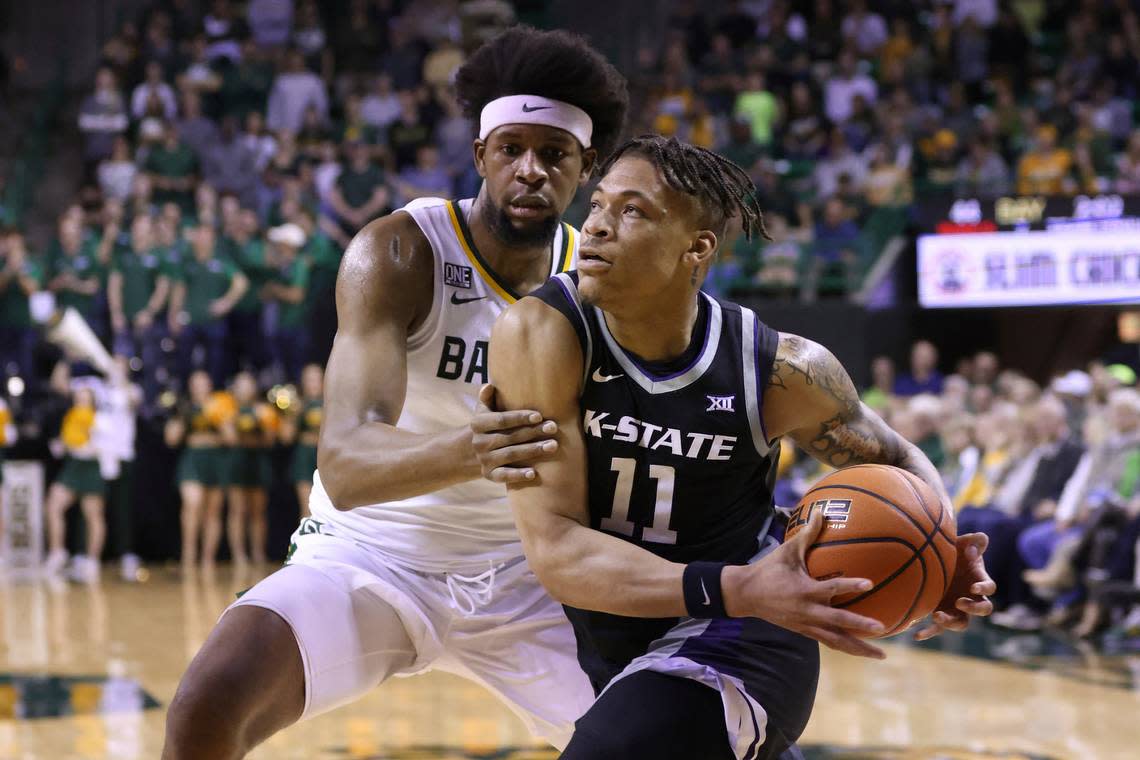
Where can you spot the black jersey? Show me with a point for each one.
(679, 461)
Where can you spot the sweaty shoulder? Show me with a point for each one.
(386, 273)
(536, 346)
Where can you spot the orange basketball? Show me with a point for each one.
(886, 525)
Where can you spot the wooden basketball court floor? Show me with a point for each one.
(87, 673)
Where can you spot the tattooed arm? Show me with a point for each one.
(811, 399)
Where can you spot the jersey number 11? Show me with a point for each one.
(619, 522)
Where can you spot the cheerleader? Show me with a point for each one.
(79, 477)
(201, 476)
(305, 428)
(249, 471)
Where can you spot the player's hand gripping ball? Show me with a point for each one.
(884, 524)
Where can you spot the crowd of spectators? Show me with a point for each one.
(845, 110)
(1051, 474)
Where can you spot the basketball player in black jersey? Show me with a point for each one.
(652, 520)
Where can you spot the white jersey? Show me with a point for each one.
(469, 524)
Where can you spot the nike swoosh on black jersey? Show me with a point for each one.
(455, 299)
(532, 109)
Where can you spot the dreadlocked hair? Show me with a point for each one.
(553, 64)
(722, 188)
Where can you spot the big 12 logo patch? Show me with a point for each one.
(835, 513)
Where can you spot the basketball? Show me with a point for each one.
(888, 526)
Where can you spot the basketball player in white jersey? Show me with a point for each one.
(411, 560)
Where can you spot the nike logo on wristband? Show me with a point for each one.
(705, 591)
(532, 109)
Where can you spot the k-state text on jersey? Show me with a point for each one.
(628, 429)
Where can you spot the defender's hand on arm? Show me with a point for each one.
(778, 589)
(509, 443)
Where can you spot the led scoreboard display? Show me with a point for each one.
(1029, 251)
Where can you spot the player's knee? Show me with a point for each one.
(239, 689)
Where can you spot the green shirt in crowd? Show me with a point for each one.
(140, 273)
(358, 187)
(13, 299)
(295, 275)
(178, 162)
(206, 282)
(83, 266)
(250, 259)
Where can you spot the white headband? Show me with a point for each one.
(534, 109)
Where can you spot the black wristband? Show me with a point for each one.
(701, 585)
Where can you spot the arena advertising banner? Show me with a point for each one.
(1031, 268)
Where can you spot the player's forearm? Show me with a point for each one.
(913, 460)
(592, 570)
(374, 462)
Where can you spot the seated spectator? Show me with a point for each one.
(844, 85)
(408, 132)
(102, 118)
(961, 455)
(195, 128)
(294, 90)
(836, 246)
(117, 173)
(882, 389)
(403, 58)
(206, 288)
(924, 376)
(888, 183)
(1044, 170)
(354, 127)
(245, 86)
(427, 179)
(1105, 478)
(172, 169)
(199, 75)
(313, 133)
(1128, 166)
(440, 65)
(381, 106)
(258, 140)
(310, 39)
(938, 163)
(269, 22)
(805, 131)
(983, 173)
(778, 268)
(361, 193)
(840, 159)
(719, 75)
(742, 148)
(20, 277)
(759, 107)
(153, 87)
(229, 164)
(864, 29)
(224, 29)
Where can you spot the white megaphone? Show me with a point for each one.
(69, 331)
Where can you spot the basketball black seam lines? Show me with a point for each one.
(938, 526)
(929, 537)
(915, 553)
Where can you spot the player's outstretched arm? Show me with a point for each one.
(383, 290)
(536, 363)
(810, 397)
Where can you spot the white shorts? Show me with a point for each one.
(499, 629)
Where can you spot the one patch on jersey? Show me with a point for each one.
(457, 276)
